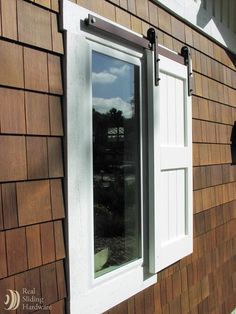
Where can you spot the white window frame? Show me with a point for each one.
(89, 295)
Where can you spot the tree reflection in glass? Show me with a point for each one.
(116, 164)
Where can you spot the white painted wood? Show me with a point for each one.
(180, 202)
(217, 10)
(171, 113)
(226, 13)
(232, 9)
(171, 199)
(89, 295)
(171, 136)
(209, 7)
(164, 110)
(174, 157)
(165, 207)
(173, 204)
(180, 125)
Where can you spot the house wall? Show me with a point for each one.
(204, 282)
(215, 18)
(31, 164)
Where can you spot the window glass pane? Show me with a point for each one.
(116, 164)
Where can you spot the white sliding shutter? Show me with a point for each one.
(170, 164)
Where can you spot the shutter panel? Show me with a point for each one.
(170, 166)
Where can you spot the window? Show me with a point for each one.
(116, 160)
(128, 163)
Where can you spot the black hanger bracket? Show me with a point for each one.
(185, 52)
(153, 39)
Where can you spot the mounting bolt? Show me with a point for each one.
(93, 20)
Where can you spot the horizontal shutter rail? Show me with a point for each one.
(96, 24)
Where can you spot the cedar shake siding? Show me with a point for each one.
(32, 249)
(204, 282)
(32, 211)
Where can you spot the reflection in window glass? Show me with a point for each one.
(115, 162)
